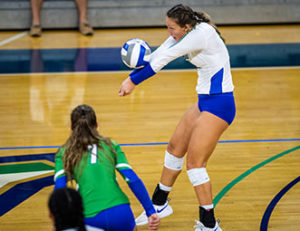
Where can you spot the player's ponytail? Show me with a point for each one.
(204, 17)
(84, 134)
(184, 15)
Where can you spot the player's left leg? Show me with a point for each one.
(203, 141)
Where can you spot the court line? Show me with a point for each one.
(30, 157)
(266, 217)
(163, 143)
(229, 186)
(49, 180)
(13, 38)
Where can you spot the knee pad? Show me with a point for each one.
(198, 176)
(173, 162)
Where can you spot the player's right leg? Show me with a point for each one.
(173, 164)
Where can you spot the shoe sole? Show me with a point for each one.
(160, 216)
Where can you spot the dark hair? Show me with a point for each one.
(65, 204)
(184, 15)
(84, 133)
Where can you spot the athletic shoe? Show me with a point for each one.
(161, 210)
(200, 227)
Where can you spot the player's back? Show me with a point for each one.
(97, 182)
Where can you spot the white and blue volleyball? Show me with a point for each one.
(135, 53)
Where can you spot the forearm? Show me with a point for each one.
(138, 188)
(139, 75)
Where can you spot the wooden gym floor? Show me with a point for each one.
(254, 170)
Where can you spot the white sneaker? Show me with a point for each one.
(200, 227)
(161, 210)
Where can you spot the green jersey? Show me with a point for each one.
(96, 177)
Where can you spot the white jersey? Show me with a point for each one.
(205, 49)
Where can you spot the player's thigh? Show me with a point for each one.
(204, 138)
(180, 139)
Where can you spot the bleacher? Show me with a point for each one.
(16, 14)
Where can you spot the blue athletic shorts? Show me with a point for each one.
(221, 105)
(116, 218)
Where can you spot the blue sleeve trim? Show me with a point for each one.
(60, 182)
(139, 75)
(139, 190)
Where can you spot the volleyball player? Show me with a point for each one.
(91, 160)
(196, 136)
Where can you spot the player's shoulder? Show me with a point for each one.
(113, 144)
(61, 150)
(203, 27)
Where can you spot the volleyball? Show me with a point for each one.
(135, 53)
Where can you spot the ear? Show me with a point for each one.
(187, 27)
(96, 125)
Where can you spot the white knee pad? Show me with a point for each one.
(198, 176)
(173, 162)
